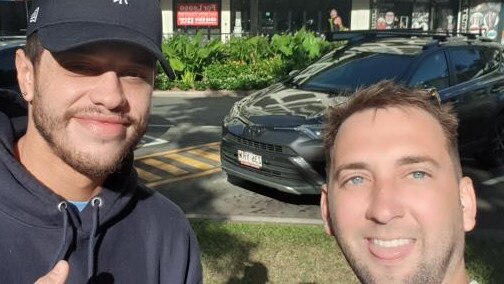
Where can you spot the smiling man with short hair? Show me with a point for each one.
(395, 197)
(71, 207)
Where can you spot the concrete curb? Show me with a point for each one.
(201, 94)
(256, 219)
(478, 234)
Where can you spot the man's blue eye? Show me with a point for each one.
(356, 180)
(418, 175)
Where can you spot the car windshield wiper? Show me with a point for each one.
(330, 92)
(292, 84)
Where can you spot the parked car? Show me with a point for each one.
(11, 102)
(8, 47)
(273, 137)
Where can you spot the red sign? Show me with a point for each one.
(198, 14)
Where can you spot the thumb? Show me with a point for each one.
(58, 275)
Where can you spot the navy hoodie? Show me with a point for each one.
(130, 234)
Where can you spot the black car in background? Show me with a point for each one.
(8, 47)
(273, 137)
(11, 101)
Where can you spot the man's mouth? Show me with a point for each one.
(391, 243)
(392, 249)
(108, 126)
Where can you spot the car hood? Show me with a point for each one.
(283, 106)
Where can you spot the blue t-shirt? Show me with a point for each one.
(79, 205)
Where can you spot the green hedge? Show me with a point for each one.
(239, 64)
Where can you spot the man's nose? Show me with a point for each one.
(109, 91)
(385, 204)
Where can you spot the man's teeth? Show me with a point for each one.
(391, 243)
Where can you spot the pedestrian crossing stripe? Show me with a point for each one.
(178, 164)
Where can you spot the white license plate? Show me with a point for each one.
(250, 159)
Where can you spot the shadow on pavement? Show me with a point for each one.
(307, 199)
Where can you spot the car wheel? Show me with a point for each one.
(494, 156)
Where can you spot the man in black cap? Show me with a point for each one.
(71, 209)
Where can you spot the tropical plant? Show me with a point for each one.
(189, 55)
(240, 63)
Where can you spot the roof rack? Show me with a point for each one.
(364, 35)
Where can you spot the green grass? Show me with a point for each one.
(279, 253)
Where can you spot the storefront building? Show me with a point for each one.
(226, 18)
(439, 15)
(251, 17)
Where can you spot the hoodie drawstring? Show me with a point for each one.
(63, 208)
(96, 203)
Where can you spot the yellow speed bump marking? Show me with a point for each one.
(184, 160)
(164, 166)
(214, 145)
(191, 162)
(201, 174)
(205, 154)
(145, 175)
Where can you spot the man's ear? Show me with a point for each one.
(25, 75)
(468, 203)
(324, 211)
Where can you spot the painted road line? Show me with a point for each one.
(206, 154)
(147, 176)
(171, 169)
(190, 161)
(209, 145)
(171, 180)
(154, 141)
(179, 164)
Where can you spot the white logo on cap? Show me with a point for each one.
(34, 15)
(121, 2)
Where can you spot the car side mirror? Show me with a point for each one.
(293, 73)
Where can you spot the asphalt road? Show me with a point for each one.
(179, 157)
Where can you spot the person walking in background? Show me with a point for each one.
(335, 22)
(395, 198)
(71, 207)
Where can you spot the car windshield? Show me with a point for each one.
(350, 70)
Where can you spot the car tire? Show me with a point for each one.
(494, 155)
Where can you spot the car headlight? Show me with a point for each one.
(235, 110)
(314, 131)
(235, 114)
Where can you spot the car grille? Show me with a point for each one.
(277, 165)
(256, 145)
(278, 168)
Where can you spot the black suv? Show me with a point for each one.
(8, 47)
(11, 102)
(273, 137)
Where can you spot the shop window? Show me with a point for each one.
(192, 16)
(432, 72)
(269, 17)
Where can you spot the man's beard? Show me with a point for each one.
(432, 270)
(52, 128)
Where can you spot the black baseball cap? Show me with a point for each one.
(65, 24)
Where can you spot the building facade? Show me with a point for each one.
(226, 18)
